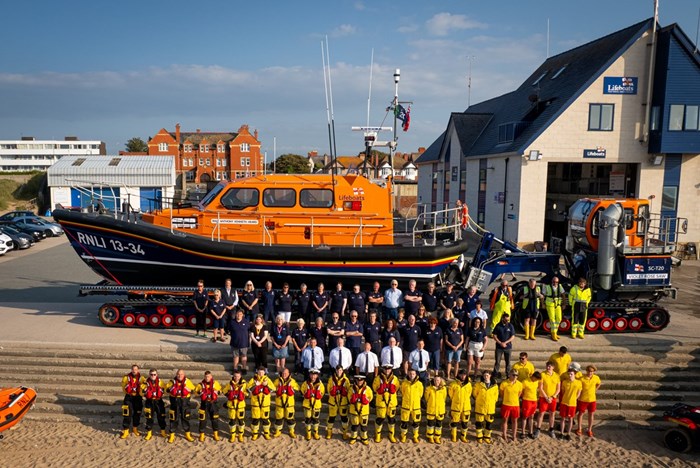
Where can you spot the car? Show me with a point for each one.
(20, 239)
(51, 229)
(6, 244)
(37, 232)
(15, 214)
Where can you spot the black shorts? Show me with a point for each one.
(530, 313)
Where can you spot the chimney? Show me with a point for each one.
(255, 134)
(313, 154)
(177, 133)
(421, 150)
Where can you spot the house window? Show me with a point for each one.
(184, 162)
(218, 162)
(221, 148)
(245, 162)
(204, 148)
(223, 162)
(208, 162)
(201, 161)
(600, 117)
(245, 147)
(162, 147)
(188, 148)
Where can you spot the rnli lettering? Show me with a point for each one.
(113, 244)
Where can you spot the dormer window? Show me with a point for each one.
(204, 148)
(162, 147)
(559, 72)
(245, 147)
(188, 148)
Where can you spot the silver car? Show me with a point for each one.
(39, 224)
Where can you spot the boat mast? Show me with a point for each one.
(392, 147)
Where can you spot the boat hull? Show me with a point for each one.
(14, 405)
(142, 254)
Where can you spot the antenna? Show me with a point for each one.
(274, 155)
(330, 94)
(369, 96)
(697, 30)
(547, 38)
(469, 81)
(325, 88)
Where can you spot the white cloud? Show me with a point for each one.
(344, 30)
(408, 28)
(443, 23)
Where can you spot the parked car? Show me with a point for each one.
(37, 232)
(6, 244)
(20, 239)
(51, 229)
(15, 214)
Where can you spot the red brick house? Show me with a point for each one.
(210, 156)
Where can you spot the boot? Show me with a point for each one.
(125, 434)
(189, 437)
(438, 436)
(404, 432)
(329, 432)
(453, 434)
(232, 439)
(256, 432)
(308, 433)
(580, 335)
(315, 433)
(392, 434)
(416, 435)
(364, 438)
(463, 438)
(201, 436)
(136, 432)
(554, 335)
(216, 436)
(487, 436)
(377, 437)
(353, 437)
(241, 431)
(292, 434)
(532, 332)
(149, 434)
(278, 430)
(429, 431)
(266, 432)
(171, 438)
(163, 433)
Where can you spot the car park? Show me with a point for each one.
(16, 214)
(37, 232)
(49, 228)
(20, 239)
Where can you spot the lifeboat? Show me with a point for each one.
(14, 404)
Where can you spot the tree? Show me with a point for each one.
(136, 145)
(291, 164)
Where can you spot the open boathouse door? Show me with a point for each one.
(83, 199)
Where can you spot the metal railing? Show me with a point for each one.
(439, 221)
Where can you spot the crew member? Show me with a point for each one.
(531, 307)
(411, 395)
(570, 393)
(561, 360)
(360, 397)
(338, 387)
(217, 308)
(501, 302)
(180, 390)
(460, 391)
(260, 388)
(511, 390)
(200, 298)
(153, 389)
(235, 392)
(386, 389)
(230, 297)
(528, 407)
(435, 402)
(485, 395)
(312, 390)
(579, 298)
(553, 295)
(284, 403)
(208, 390)
(133, 402)
(590, 383)
(549, 389)
(523, 367)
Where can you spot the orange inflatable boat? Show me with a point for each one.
(14, 404)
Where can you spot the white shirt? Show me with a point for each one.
(414, 360)
(366, 362)
(341, 356)
(387, 351)
(317, 360)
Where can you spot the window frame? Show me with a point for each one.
(304, 201)
(254, 200)
(274, 200)
(600, 106)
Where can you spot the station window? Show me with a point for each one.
(600, 117)
(669, 198)
(316, 198)
(239, 198)
(279, 197)
(684, 118)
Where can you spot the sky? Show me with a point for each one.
(111, 71)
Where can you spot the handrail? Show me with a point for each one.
(449, 213)
(266, 231)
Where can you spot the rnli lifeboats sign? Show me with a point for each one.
(620, 85)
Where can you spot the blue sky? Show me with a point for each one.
(114, 70)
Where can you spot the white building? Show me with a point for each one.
(29, 154)
(142, 182)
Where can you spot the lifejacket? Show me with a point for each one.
(313, 392)
(283, 390)
(179, 389)
(261, 388)
(132, 384)
(338, 388)
(464, 215)
(359, 397)
(386, 387)
(208, 392)
(153, 389)
(235, 395)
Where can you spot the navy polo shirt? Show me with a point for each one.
(504, 332)
(353, 341)
(449, 299)
(300, 336)
(284, 301)
(411, 307)
(357, 301)
(411, 335)
(430, 301)
(454, 336)
(432, 339)
(240, 333)
(303, 299)
(333, 340)
(320, 335)
(337, 298)
(279, 334)
(372, 332)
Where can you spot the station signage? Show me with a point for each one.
(620, 85)
(598, 153)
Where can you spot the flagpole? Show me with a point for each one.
(397, 77)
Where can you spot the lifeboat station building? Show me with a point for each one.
(617, 117)
(136, 183)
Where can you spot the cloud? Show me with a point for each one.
(408, 28)
(344, 30)
(443, 23)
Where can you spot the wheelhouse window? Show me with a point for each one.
(316, 198)
(600, 117)
(279, 197)
(239, 198)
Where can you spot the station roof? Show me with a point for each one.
(135, 171)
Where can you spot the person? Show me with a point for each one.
(390, 331)
(523, 367)
(561, 360)
(401, 322)
(360, 398)
(448, 298)
(284, 403)
(462, 219)
(579, 298)
(200, 299)
(335, 329)
(268, 297)
(410, 335)
(375, 299)
(391, 355)
(548, 391)
(230, 297)
(419, 360)
(357, 300)
(239, 329)
(339, 300)
(435, 403)
(208, 390)
(485, 393)
(392, 300)
(503, 335)
(460, 392)
(501, 302)
(133, 401)
(412, 299)
(531, 307)
(510, 390)
(553, 295)
(528, 407)
(320, 332)
(353, 334)
(338, 388)
(454, 341)
(250, 301)
(312, 390)
(386, 389)
(590, 383)
(478, 311)
(300, 339)
(260, 388)
(320, 301)
(373, 333)
(411, 396)
(217, 309)
(444, 321)
(460, 313)
(258, 341)
(430, 300)
(476, 345)
(153, 389)
(312, 356)
(433, 342)
(280, 339)
(470, 296)
(284, 301)
(570, 393)
(180, 390)
(303, 301)
(367, 363)
(235, 392)
(422, 320)
(340, 355)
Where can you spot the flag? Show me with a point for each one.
(400, 113)
(638, 267)
(407, 120)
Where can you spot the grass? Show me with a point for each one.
(7, 189)
(16, 192)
